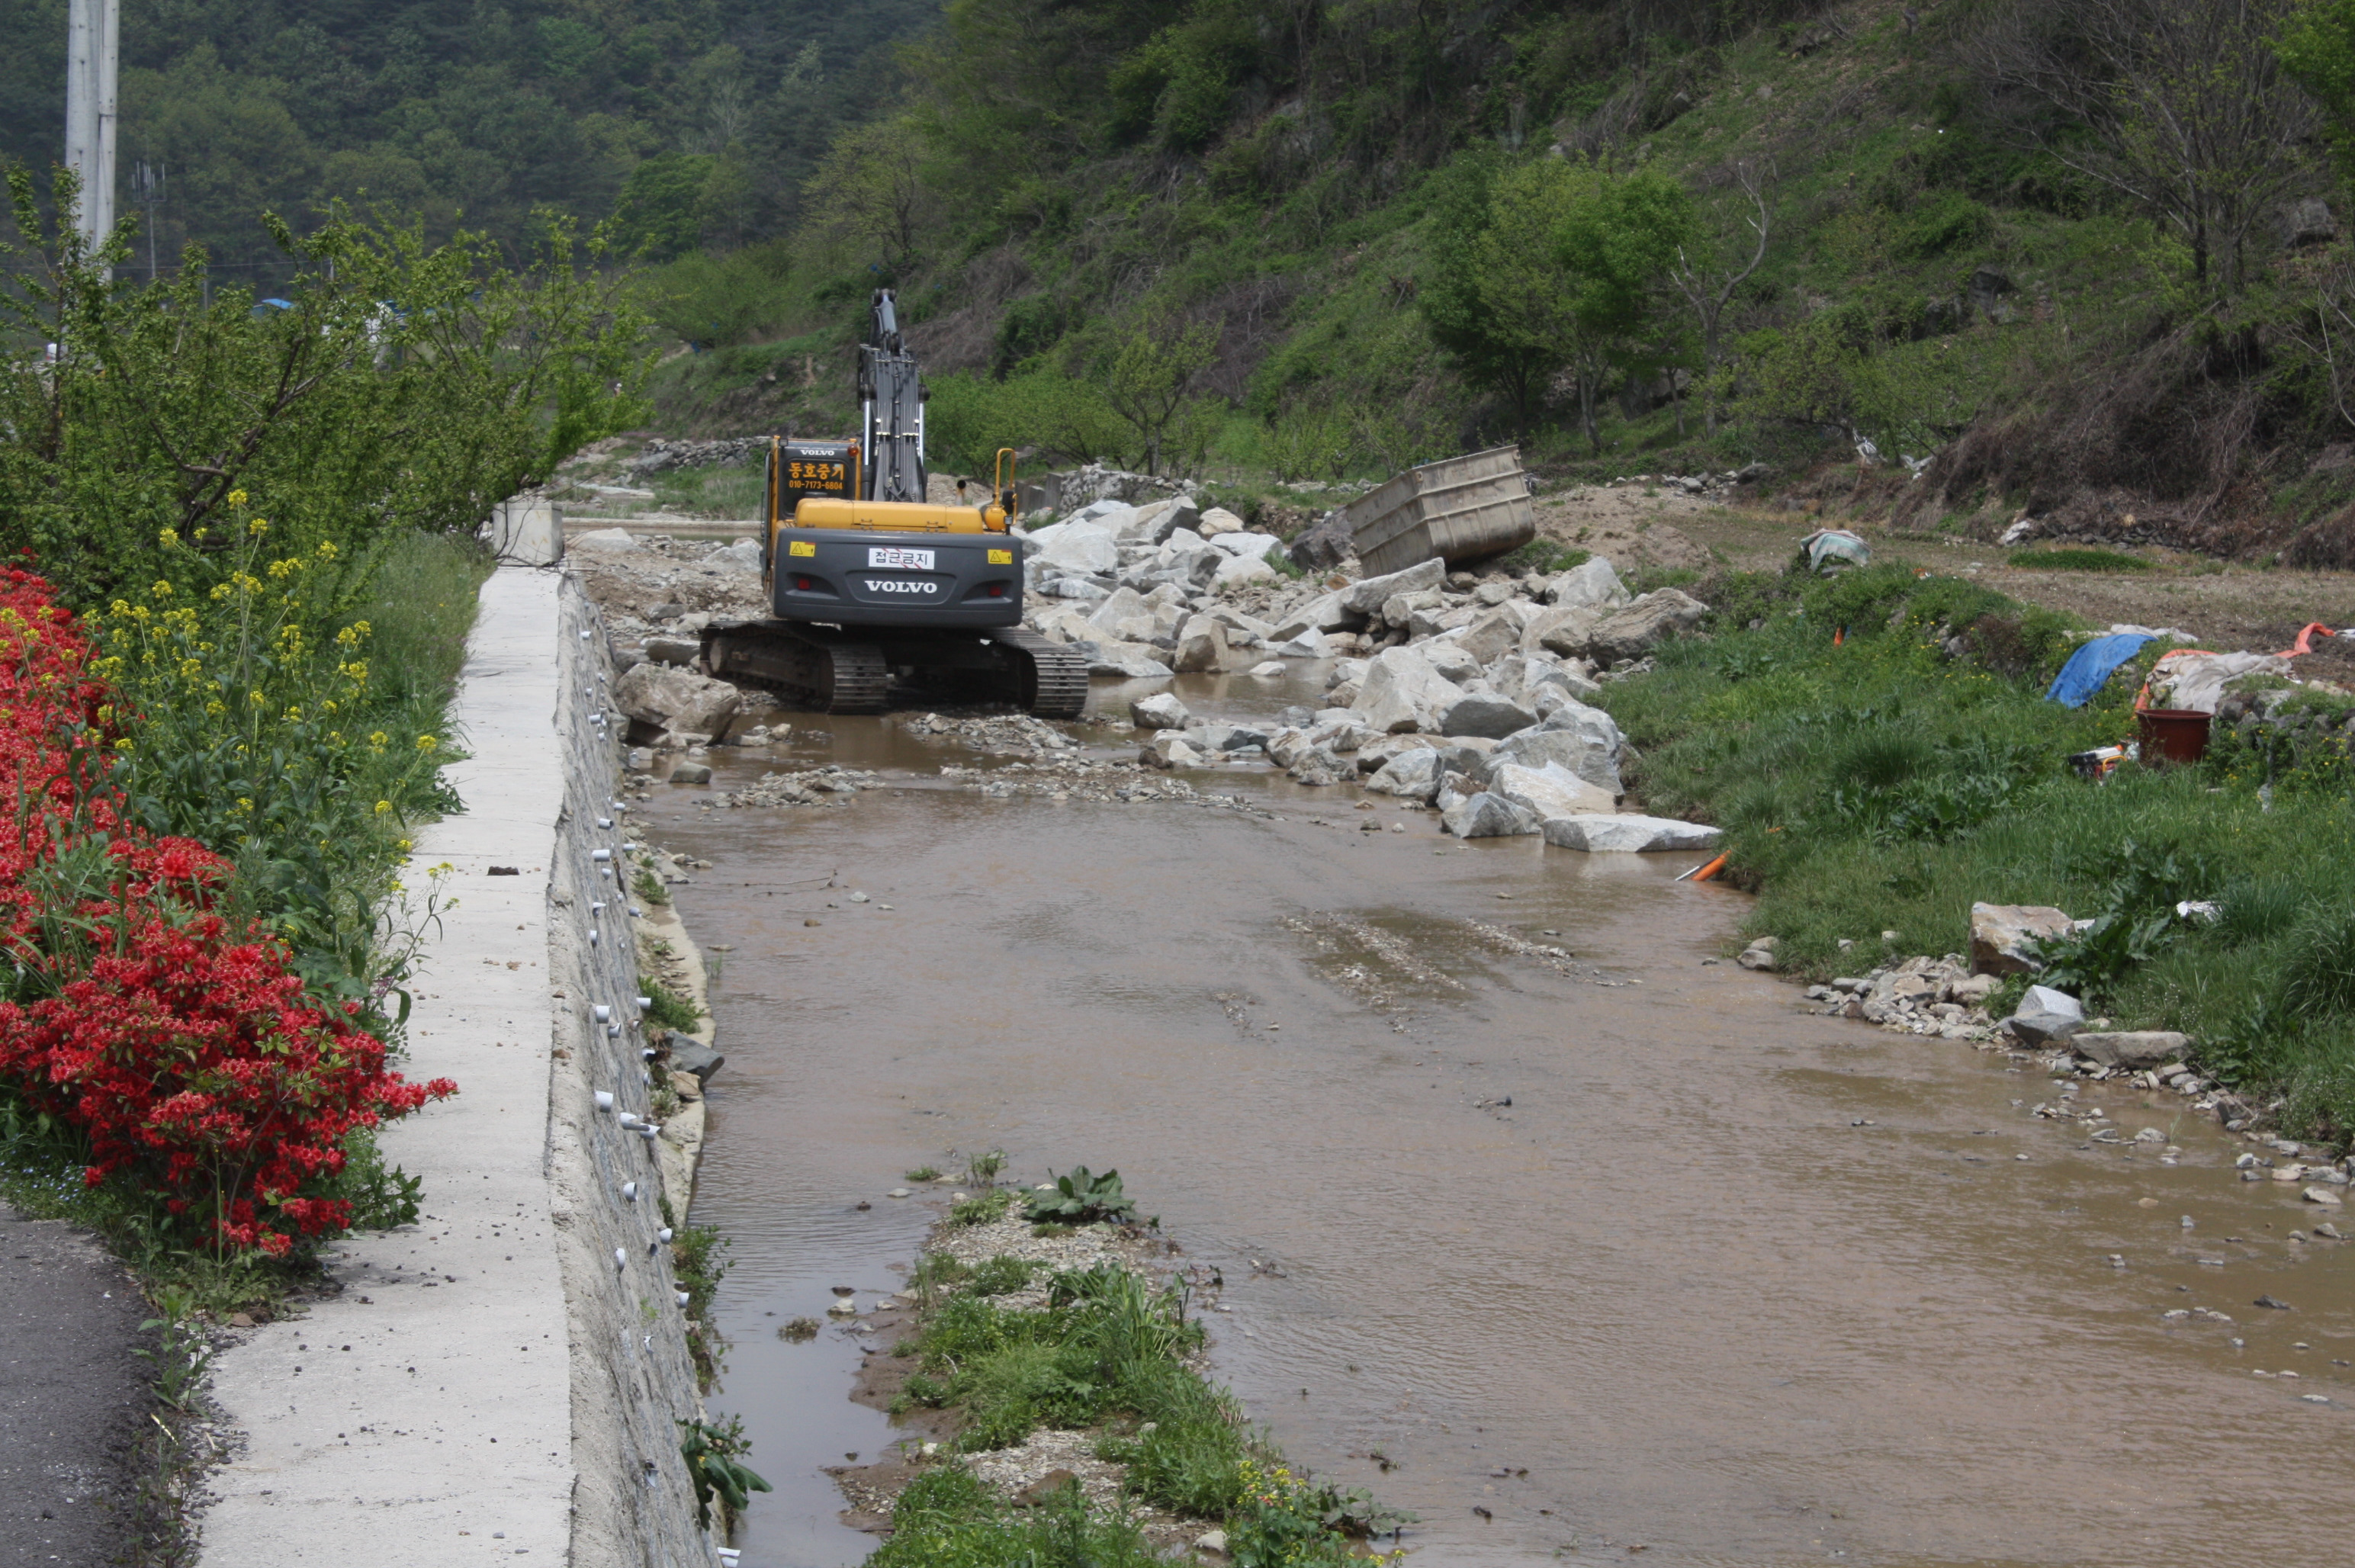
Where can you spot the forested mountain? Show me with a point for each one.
(467, 112)
(2075, 256)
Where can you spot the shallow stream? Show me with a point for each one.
(1603, 1255)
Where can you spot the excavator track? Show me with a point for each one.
(1051, 680)
(826, 671)
(823, 675)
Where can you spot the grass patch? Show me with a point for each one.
(670, 1010)
(1109, 1353)
(2078, 560)
(1889, 780)
(924, 1173)
(983, 1209)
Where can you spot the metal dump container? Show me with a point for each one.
(1459, 509)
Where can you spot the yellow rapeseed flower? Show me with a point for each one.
(124, 744)
(382, 806)
(426, 743)
(168, 537)
(237, 497)
(163, 589)
(259, 527)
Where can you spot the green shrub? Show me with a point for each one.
(1003, 1276)
(1078, 1198)
(947, 1519)
(1191, 1466)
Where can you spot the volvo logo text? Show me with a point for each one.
(899, 585)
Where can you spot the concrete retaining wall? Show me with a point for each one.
(494, 1382)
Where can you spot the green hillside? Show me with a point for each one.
(2075, 260)
(466, 114)
(1355, 236)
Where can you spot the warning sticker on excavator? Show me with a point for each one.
(1001, 557)
(801, 546)
(899, 555)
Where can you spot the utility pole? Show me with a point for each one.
(94, 33)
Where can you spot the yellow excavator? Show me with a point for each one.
(873, 586)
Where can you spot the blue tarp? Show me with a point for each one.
(2092, 664)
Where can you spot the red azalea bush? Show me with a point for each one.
(184, 1051)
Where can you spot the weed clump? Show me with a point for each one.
(1110, 1351)
(2077, 560)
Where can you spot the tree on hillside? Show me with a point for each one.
(1479, 336)
(1614, 244)
(1152, 388)
(2191, 112)
(1707, 277)
(2317, 49)
(1563, 276)
(869, 191)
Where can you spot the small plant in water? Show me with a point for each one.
(982, 1210)
(713, 1463)
(1078, 1198)
(982, 1170)
(798, 1331)
(924, 1173)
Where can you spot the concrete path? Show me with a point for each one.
(72, 1398)
(422, 1416)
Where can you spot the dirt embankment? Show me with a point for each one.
(2227, 606)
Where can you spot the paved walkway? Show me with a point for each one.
(423, 1416)
(74, 1398)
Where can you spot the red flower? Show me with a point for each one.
(184, 1052)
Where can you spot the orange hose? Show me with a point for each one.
(1712, 868)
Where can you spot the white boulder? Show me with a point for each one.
(1617, 833)
(1400, 691)
(1550, 791)
(1162, 710)
(1486, 816)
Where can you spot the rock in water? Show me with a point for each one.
(1402, 692)
(1486, 816)
(1201, 647)
(1170, 749)
(2004, 936)
(1644, 624)
(2046, 1016)
(1584, 739)
(676, 700)
(2131, 1049)
(1413, 776)
(690, 774)
(1162, 710)
(1550, 791)
(1625, 832)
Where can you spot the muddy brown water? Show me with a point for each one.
(1724, 1282)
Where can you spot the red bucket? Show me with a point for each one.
(2173, 734)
